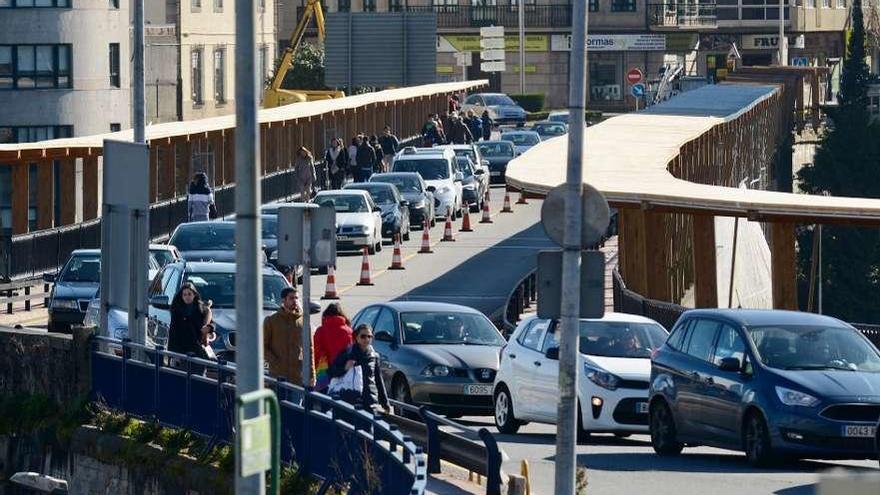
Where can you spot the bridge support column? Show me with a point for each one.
(783, 265)
(643, 252)
(45, 194)
(656, 266)
(705, 266)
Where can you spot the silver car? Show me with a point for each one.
(440, 355)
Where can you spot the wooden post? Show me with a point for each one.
(167, 181)
(67, 191)
(656, 265)
(632, 256)
(154, 173)
(229, 156)
(705, 268)
(783, 263)
(45, 194)
(90, 187)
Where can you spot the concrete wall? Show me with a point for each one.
(91, 105)
(161, 73)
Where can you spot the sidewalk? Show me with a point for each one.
(36, 317)
(454, 481)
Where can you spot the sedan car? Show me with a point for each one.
(474, 183)
(498, 153)
(73, 288)
(205, 241)
(522, 140)
(547, 129)
(771, 383)
(443, 356)
(395, 209)
(358, 219)
(614, 365)
(415, 191)
(502, 109)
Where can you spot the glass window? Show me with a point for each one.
(114, 65)
(730, 344)
(195, 5)
(812, 347)
(385, 323)
(701, 337)
(369, 5)
(162, 256)
(551, 340)
(605, 79)
(825, 3)
(429, 169)
(86, 268)
(620, 338)
(7, 70)
(218, 5)
(25, 66)
(344, 6)
(534, 335)
(44, 73)
(219, 287)
(114, 4)
(33, 3)
(428, 327)
(496, 149)
(115, 127)
(529, 4)
(367, 316)
(63, 72)
(594, 5)
(676, 339)
(841, 4)
(204, 236)
(344, 203)
(220, 75)
(623, 5)
(196, 73)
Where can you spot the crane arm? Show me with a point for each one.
(313, 8)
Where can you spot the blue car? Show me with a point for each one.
(771, 383)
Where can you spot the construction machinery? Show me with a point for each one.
(275, 95)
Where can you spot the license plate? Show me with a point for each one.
(342, 238)
(859, 431)
(478, 389)
(642, 408)
(495, 173)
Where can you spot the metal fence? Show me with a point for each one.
(469, 16)
(328, 439)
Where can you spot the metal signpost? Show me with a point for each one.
(522, 47)
(634, 76)
(463, 60)
(638, 92)
(492, 44)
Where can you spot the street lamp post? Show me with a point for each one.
(782, 45)
(522, 49)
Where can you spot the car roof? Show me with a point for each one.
(207, 222)
(489, 94)
(558, 112)
(85, 252)
(363, 185)
(507, 133)
(218, 267)
(408, 175)
(161, 247)
(548, 122)
(496, 141)
(343, 192)
(611, 316)
(406, 306)
(455, 146)
(766, 317)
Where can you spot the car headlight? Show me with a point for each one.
(64, 304)
(436, 370)
(791, 397)
(601, 378)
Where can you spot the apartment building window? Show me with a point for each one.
(369, 5)
(841, 4)
(344, 6)
(220, 75)
(826, 4)
(529, 4)
(33, 133)
(34, 66)
(594, 5)
(27, 4)
(606, 76)
(623, 5)
(218, 6)
(262, 5)
(115, 127)
(196, 66)
(808, 3)
(114, 65)
(195, 5)
(395, 6)
(445, 5)
(114, 4)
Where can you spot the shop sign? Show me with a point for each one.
(681, 42)
(445, 69)
(471, 43)
(612, 42)
(760, 42)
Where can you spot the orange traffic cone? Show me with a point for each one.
(522, 198)
(466, 221)
(507, 208)
(447, 231)
(330, 291)
(426, 240)
(486, 217)
(396, 258)
(489, 194)
(366, 278)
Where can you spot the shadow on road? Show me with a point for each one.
(798, 490)
(696, 463)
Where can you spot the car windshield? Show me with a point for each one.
(344, 204)
(82, 269)
(219, 288)
(550, 129)
(521, 138)
(269, 227)
(464, 166)
(468, 153)
(797, 347)
(429, 169)
(492, 100)
(424, 327)
(558, 117)
(161, 256)
(381, 195)
(403, 184)
(204, 236)
(494, 150)
(620, 338)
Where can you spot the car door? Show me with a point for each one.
(724, 389)
(377, 218)
(697, 367)
(389, 360)
(523, 363)
(546, 377)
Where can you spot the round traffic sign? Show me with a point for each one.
(634, 75)
(595, 215)
(637, 90)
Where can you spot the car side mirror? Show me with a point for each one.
(384, 337)
(314, 308)
(552, 353)
(49, 278)
(730, 364)
(404, 203)
(431, 189)
(160, 302)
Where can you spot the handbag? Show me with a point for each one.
(348, 387)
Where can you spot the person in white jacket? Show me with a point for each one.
(200, 199)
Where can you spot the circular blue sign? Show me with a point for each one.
(638, 90)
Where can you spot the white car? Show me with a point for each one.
(358, 219)
(614, 371)
(437, 167)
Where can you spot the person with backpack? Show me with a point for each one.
(487, 123)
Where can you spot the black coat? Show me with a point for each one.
(374, 388)
(366, 156)
(459, 133)
(185, 332)
(341, 160)
(389, 143)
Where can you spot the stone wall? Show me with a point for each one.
(37, 363)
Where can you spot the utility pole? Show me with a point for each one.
(783, 48)
(522, 48)
(138, 85)
(248, 283)
(139, 235)
(569, 334)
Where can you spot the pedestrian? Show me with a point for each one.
(352, 158)
(305, 172)
(390, 146)
(361, 353)
(331, 338)
(378, 165)
(487, 125)
(200, 199)
(459, 132)
(453, 103)
(366, 159)
(446, 126)
(283, 340)
(191, 330)
(430, 132)
(474, 124)
(336, 159)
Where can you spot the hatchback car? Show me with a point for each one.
(205, 241)
(502, 109)
(395, 209)
(358, 219)
(413, 189)
(498, 154)
(437, 168)
(474, 183)
(443, 356)
(771, 383)
(549, 130)
(614, 366)
(522, 140)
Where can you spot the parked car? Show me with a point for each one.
(358, 219)
(498, 153)
(470, 150)
(163, 254)
(559, 116)
(415, 191)
(771, 383)
(395, 209)
(614, 365)
(437, 168)
(73, 287)
(443, 356)
(502, 109)
(205, 241)
(522, 140)
(474, 184)
(547, 129)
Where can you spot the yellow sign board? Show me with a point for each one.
(471, 43)
(530, 69)
(445, 69)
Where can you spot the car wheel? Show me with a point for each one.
(505, 420)
(583, 435)
(400, 390)
(756, 441)
(371, 249)
(664, 438)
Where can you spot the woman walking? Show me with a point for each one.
(332, 338)
(361, 353)
(487, 125)
(336, 159)
(200, 199)
(191, 328)
(305, 172)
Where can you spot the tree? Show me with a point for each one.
(307, 71)
(847, 163)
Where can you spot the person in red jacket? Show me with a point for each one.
(331, 338)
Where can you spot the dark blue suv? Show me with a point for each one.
(770, 383)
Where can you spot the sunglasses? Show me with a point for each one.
(366, 336)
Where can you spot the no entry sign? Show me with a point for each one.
(634, 76)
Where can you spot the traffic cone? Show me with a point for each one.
(489, 194)
(330, 291)
(486, 217)
(466, 221)
(396, 258)
(507, 208)
(522, 198)
(447, 230)
(426, 240)
(366, 277)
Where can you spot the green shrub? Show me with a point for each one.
(535, 116)
(531, 102)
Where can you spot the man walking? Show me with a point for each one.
(366, 159)
(282, 340)
(390, 146)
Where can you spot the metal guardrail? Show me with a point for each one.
(21, 291)
(683, 15)
(328, 439)
(469, 16)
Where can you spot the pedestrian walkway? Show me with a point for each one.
(36, 317)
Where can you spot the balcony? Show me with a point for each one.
(467, 16)
(682, 16)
